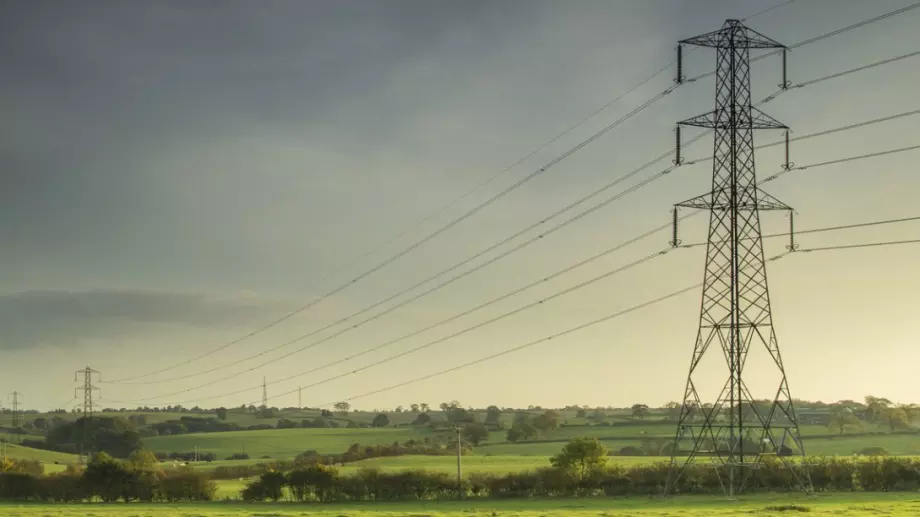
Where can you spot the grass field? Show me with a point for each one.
(27, 453)
(279, 443)
(287, 443)
(841, 505)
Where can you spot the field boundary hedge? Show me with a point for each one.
(322, 483)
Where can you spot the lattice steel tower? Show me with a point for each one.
(87, 389)
(733, 428)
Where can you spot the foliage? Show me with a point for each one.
(475, 433)
(580, 457)
(113, 435)
(873, 451)
(381, 420)
(640, 411)
(842, 418)
(422, 419)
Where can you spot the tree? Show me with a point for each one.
(459, 415)
(876, 408)
(413, 408)
(143, 460)
(581, 413)
(640, 411)
(380, 420)
(896, 418)
(342, 407)
(546, 421)
(115, 435)
(841, 418)
(421, 419)
(424, 407)
(580, 457)
(222, 413)
(475, 433)
(41, 423)
(493, 415)
(673, 410)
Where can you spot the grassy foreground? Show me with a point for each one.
(847, 505)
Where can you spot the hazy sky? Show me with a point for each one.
(177, 174)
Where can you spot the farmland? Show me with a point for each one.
(845, 505)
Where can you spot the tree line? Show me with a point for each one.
(579, 470)
(139, 478)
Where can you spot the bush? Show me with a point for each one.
(238, 456)
(873, 451)
(631, 450)
(186, 485)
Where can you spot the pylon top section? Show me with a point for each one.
(733, 34)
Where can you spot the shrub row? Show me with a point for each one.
(323, 483)
(109, 480)
(137, 486)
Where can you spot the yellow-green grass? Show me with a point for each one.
(838, 505)
(280, 443)
(27, 453)
(477, 463)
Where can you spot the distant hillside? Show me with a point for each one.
(27, 453)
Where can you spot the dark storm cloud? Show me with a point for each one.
(55, 318)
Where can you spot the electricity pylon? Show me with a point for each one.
(733, 428)
(88, 390)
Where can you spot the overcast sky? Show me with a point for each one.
(177, 174)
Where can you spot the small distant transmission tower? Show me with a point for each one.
(264, 394)
(88, 390)
(734, 429)
(15, 398)
(299, 397)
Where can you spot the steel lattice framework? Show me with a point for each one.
(735, 430)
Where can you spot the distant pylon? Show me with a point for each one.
(299, 397)
(733, 428)
(88, 390)
(15, 398)
(264, 394)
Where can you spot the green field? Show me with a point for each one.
(279, 443)
(840, 505)
(287, 443)
(27, 453)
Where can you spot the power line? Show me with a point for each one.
(452, 203)
(825, 229)
(569, 290)
(517, 291)
(477, 326)
(842, 160)
(820, 37)
(433, 234)
(493, 247)
(592, 323)
(861, 245)
(466, 273)
(859, 69)
(525, 345)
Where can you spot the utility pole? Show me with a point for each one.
(737, 430)
(299, 399)
(88, 390)
(459, 471)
